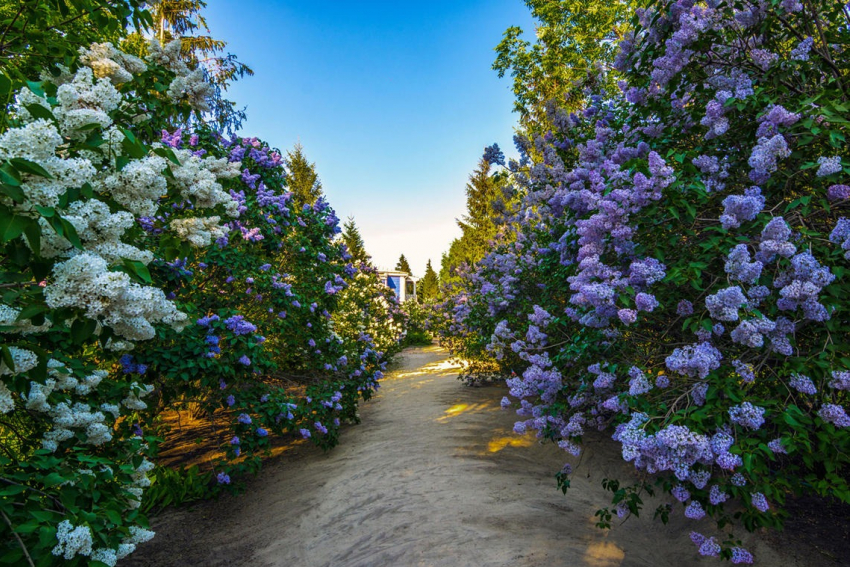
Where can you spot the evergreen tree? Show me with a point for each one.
(403, 265)
(354, 242)
(478, 225)
(429, 288)
(302, 180)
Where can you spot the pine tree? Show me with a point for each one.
(302, 180)
(403, 265)
(430, 287)
(354, 242)
(478, 226)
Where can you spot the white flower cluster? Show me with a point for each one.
(72, 541)
(138, 185)
(113, 64)
(24, 361)
(197, 179)
(133, 401)
(79, 416)
(168, 56)
(112, 298)
(38, 142)
(199, 232)
(193, 88)
(111, 556)
(8, 318)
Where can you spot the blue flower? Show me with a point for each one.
(262, 432)
(245, 360)
(244, 418)
(223, 478)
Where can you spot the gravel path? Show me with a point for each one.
(433, 476)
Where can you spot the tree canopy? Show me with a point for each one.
(354, 242)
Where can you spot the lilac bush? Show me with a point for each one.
(686, 237)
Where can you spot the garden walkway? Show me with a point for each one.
(433, 476)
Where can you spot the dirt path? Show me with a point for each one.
(433, 476)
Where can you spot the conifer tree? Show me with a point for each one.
(303, 180)
(403, 265)
(430, 287)
(354, 242)
(478, 225)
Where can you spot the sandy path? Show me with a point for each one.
(433, 476)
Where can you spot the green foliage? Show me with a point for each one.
(429, 286)
(354, 242)
(403, 265)
(484, 205)
(303, 180)
(39, 35)
(576, 41)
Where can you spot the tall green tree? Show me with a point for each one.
(576, 41)
(484, 192)
(354, 242)
(302, 180)
(403, 265)
(429, 287)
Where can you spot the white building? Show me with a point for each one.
(402, 283)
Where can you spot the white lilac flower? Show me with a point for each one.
(72, 540)
(107, 61)
(829, 165)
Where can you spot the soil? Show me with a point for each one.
(434, 475)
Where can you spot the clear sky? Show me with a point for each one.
(393, 100)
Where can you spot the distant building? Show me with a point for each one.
(402, 283)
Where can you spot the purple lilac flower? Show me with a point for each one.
(716, 496)
(262, 432)
(774, 239)
(646, 302)
(744, 370)
(709, 548)
(244, 419)
(738, 480)
(680, 493)
(662, 381)
(759, 502)
(724, 304)
(838, 192)
(739, 267)
(230, 400)
(305, 433)
(747, 415)
(222, 478)
(829, 165)
(840, 380)
(740, 208)
(235, 440)
(841, 235)
(239, 326)
(776, 446)
(685, 308)
(627, 316)
(834, 414)
(764, 157)
(741, 555)
(803, 384)
(494, 155)
(694, 511)
(694, 361)
(320, 428)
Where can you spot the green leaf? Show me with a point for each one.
(13, 192)
(30, 167)
(38, 111)
(137, 270)
(168, 154)
(31, 311)
(11, 226)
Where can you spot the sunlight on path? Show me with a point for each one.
(433, 476)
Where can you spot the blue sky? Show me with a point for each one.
(394, 101)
